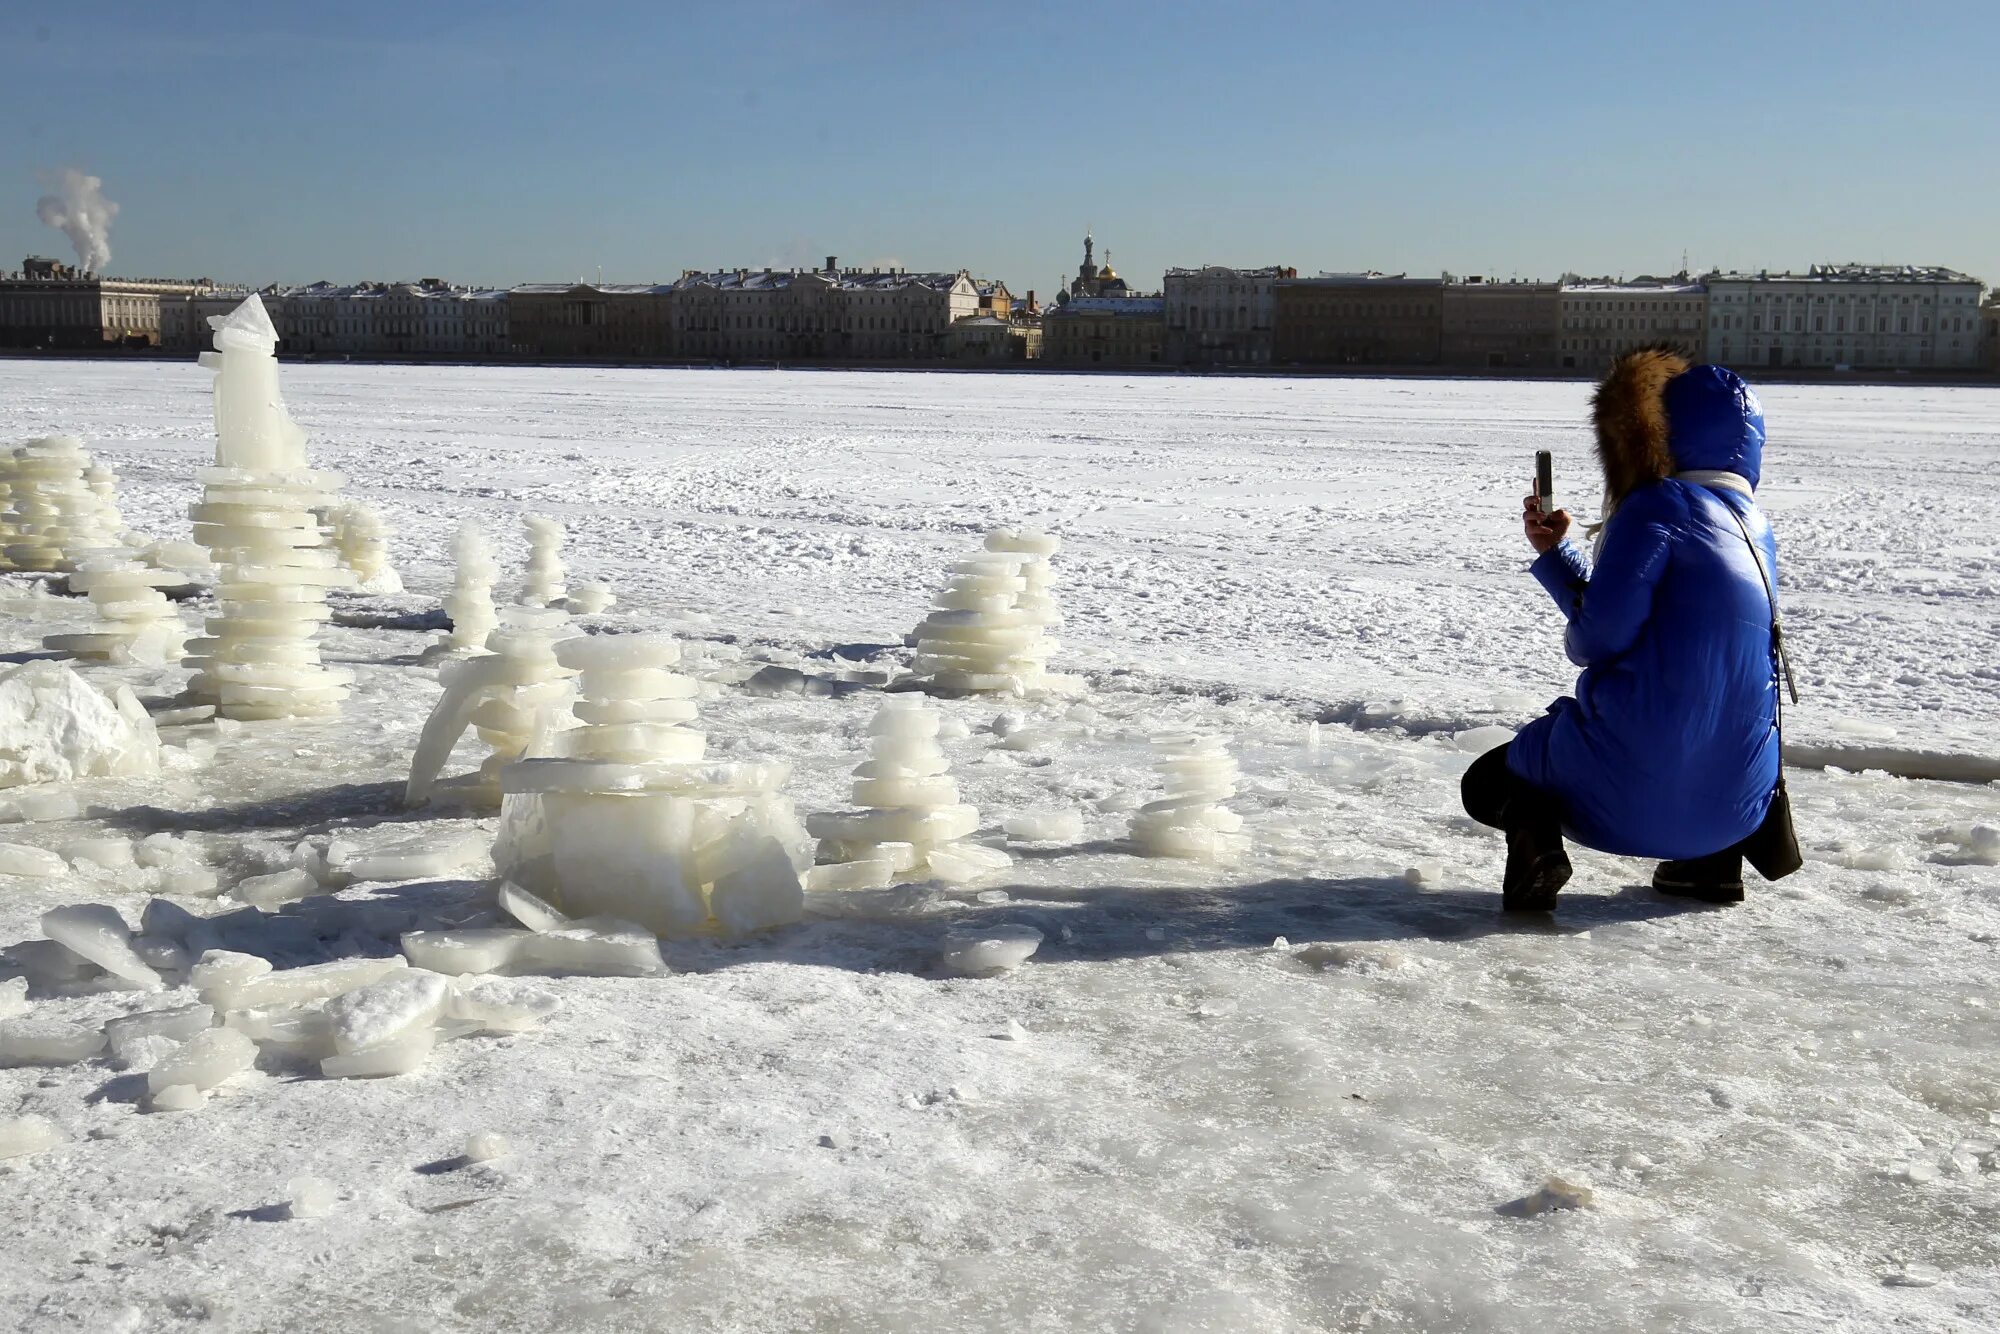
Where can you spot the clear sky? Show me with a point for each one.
(502, 142)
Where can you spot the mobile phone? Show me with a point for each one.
(1545, 481)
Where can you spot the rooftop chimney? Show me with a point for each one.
(833, 263)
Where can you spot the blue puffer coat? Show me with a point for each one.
(1669, 748)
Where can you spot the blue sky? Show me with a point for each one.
(502, 142)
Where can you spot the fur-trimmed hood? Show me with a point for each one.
(1656, 416)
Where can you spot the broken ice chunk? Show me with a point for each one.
(1045, 826)
(129, 1035)
(596, 947)
(497, 1007)
(398, 1057)
(193, 882)
(978, 951)
(108, 854)
(1479, 740)
(167, 920)
(296, 986)
(204, 1060)
(27, 860)
(23, 1135)
(277, 888)
(163, 849)
(485, 1145)
(528, 910)
(47, 1042)
(472, 950)
(417, 857)
(962, 863)
(96, 932)
(310, 1197)
(175, 1098)
(875, 873)
(388, 1010)
(223, 969)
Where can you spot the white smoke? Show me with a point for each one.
(77, 207)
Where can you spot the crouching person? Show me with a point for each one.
(1670, 747)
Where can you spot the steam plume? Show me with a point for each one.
(77, 207)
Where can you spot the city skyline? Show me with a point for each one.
(502, 145)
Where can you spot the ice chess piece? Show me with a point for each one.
(516, 695)
(988, 631)
(911, 820)
(260, 658)
(470, 602)
(51, 512)
(360, 537)
(1190, 820)
(544, 582)
(626, 817)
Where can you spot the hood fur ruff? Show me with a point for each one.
(1630, 413)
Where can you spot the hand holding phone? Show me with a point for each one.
(1545, 525)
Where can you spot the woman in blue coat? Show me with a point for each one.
(1669, 748)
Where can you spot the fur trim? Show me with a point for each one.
(1630, 413)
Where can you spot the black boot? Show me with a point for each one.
(1537, 864)
(1716, 878)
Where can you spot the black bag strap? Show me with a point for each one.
(1777, 621)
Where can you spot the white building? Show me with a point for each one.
(1600, 319)
(1222, 316)
(1850, 315)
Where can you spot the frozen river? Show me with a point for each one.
(1786, 1111)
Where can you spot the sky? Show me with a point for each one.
(499, 142)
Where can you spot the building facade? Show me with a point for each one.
(1219, 316)
(1493, 325)
(993, 339)
(1846, 316)
(590, 322)
(1358, 319)
(1601, 318)
(1989, 324)
(48, 304)
(1105, 331)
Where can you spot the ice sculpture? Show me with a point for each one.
(589, 599)
(361, 538)
(627, 819)
(256, 516)
(544, 583)
(912, 821)
(51, 512)
(470, 602)
(1190, 820)
(139, 624)
(988, 630)
(515, 695)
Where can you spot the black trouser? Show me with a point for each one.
(1490, 789)
(1494, 795)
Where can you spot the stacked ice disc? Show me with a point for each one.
(544, 582)
(470, 602)
(51, 512)
(988, 630)
(515, 693)
(260, 658)
(1190, 820)
(911, 820)
(361, 537)
(627, 817)
(139, 624)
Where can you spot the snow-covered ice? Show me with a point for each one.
(1779, 1109)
